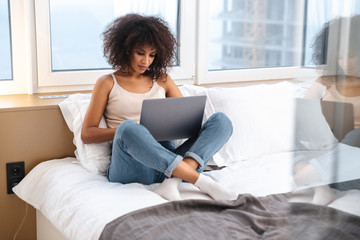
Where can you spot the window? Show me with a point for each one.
(5, 42)
(253, 34)
(329, 9)
(252, 40)
(76, 43)
(220, 40)
(247, 40)
(70, 42)
(14, 74)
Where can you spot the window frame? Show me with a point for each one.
(18, 84)
(204, 76)
(31, 57)
(184, 73)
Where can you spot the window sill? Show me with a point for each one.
(27, 102)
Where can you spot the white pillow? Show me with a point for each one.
(267, 122)
(283, 88)
(95, 157)
(267, 118)
(192, 90)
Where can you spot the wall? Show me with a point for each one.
(31, 130)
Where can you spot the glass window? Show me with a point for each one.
(246, 34)
(318, 13)
(76, 28)
(253, 34)
(5, 42)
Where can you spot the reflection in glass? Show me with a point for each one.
(318, 13)
(76, 28)
(336, 52)
(5, 42)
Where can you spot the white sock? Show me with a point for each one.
(323, 195)
(218, 192)
(168, 189)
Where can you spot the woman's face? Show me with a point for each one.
(142, 58)
(350, 65)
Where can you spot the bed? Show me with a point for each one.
(274, 128)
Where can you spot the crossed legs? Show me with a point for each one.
(137, 157)
(197, 152)
(186, 170)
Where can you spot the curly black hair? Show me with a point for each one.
(326, 48)
(133, 30)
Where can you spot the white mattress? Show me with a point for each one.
(79, 203)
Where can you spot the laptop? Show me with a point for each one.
(340, 117)
(173, 118)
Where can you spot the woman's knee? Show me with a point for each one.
(126, 128)
(223, 121)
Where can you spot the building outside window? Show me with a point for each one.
(247, 34)
(220, 40)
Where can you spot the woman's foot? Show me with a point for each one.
(217, 191)
(323, 195)
(168, 189)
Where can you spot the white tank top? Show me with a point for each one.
(123, 105)
(333, 95)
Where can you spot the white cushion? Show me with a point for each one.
(267, 118)
(264, 116)
(95, 157)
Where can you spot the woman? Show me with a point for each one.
(140, 49)
(340, 82)
(340, 61)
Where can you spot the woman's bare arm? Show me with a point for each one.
(170, 87)
(90, 132)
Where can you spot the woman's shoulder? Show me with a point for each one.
(106, 79)
(164, 81)
(171, 89)
(327, 81)
(104, 83)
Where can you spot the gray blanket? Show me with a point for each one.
(271, 217)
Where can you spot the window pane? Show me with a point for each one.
(5, 43)
(76, 28)
(253, 34)
(318, 13)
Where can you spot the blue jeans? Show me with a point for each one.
(138, 157)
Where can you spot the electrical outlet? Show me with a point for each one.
(15, 172)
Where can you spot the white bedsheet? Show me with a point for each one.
(79, 203)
